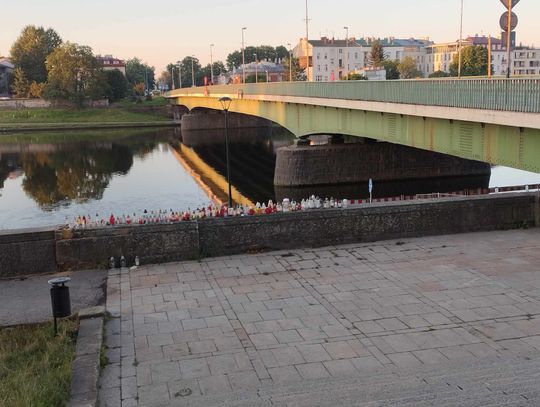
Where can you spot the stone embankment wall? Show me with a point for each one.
(42, 103)
(358, 162)
(31, 253)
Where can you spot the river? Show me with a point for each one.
(50, 179)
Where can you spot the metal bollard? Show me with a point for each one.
(60, 300)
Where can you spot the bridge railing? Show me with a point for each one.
(515, 95)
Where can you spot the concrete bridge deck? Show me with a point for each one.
(495, 121)
(446, 321)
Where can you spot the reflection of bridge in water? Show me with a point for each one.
(253, 158)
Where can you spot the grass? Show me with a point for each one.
(35, 366)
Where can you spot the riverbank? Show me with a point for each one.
(120, 115)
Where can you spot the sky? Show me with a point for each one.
(169, 30)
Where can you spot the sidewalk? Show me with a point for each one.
(451, 320)
(28, 301)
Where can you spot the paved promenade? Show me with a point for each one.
(448, 320)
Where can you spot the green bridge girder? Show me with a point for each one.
(508, 145)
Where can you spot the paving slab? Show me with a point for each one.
(390, 323)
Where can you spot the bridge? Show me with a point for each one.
(491, 120)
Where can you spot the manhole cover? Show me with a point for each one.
(183, 393)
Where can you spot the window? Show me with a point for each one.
(356, 55)
(341, 51)
(325, 56)
(326, 68)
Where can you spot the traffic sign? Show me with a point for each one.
(504, 21)
(505, 3)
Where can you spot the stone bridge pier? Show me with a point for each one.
(338, 162)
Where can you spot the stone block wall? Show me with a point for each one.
(42, 251)
(25, 252)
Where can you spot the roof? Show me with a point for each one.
(331, 42)
(262, 66)
(6, 63)
(396, 42)
(483, 40)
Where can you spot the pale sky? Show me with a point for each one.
(169, 30)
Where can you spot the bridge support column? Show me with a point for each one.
(333, 164)
(537, 210)
(215, 120)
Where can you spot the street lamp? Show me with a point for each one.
(460, 40)
(225, 104)
(179, 66)
(211, 65)
(192, 72)
(172, 77)
(347, 53)
(243, 57)
(256, 69)
(290, 61)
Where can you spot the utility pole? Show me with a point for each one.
(460, 40)
(192, 72)
(256, 69)
(307, 42)
(179, 66)
(509, 38)
(211, 66)
(489, 56)
(243, 57)
(347, 54)
(290, 62)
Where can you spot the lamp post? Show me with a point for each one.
(256, 69)
(211, 65)
(460, 40)
(243, 57)
(172, 77)
(509, 38)
(290, 61)
(266, 76)
(192, 72)
(347, 54)
(225, 104)
(179, 66)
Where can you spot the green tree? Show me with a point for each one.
(261, 77)
(74, 74)
(474, 62)
(138, 72)
(297, 72)
(218, 67)
(264, 52)
(407, 68)
(20, 86)
(391, 68)
(186, 72)
(376, 55)
(30, 51)
(439, 74)
(117, 85)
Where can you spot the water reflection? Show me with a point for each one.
(48, 178)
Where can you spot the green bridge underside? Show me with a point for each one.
(401, 112)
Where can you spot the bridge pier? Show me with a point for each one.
(349, 163)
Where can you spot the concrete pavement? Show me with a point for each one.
(27, 300)
(447, 320)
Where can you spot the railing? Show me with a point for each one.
(514, 95)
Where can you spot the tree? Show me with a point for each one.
(218, 67)
(164, 80)
(376, 55)
(185, 72)
(407, 68)
(74, 74)
(20, 85)
(117, 85)
(30, 51)
(391, 68)
(264, 52)
(439, 74)
(297, 72)
(474, 62)
(138, 72)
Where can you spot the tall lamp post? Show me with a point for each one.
(460, 40)
(347, 53)
(226, 104)
(290, 61)
(211, 65)
(179, 66)
(243, 57)
(256, 69)
(192, 72)
(172, 77)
